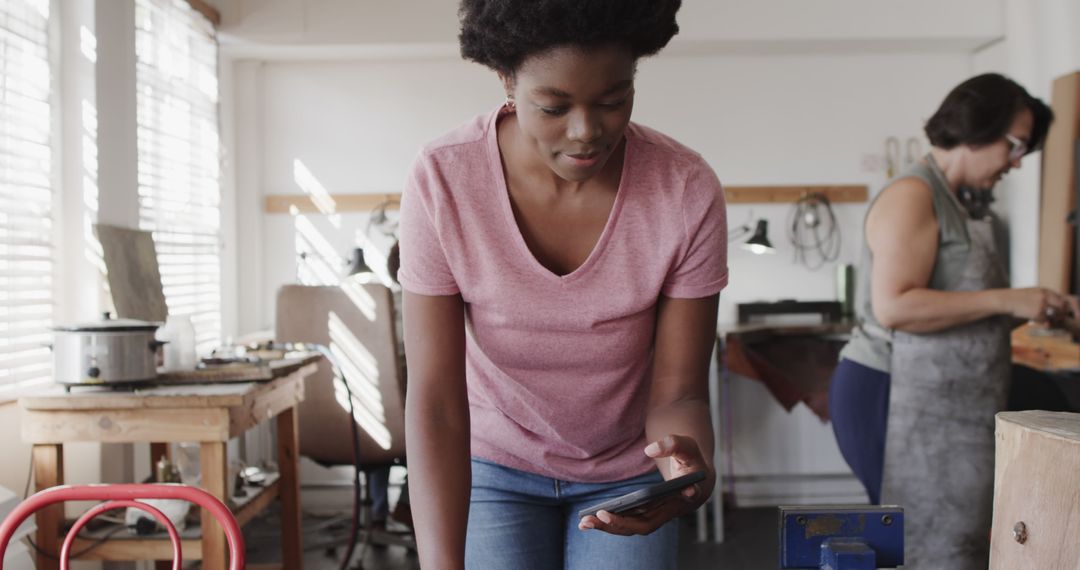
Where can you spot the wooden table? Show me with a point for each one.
(210, 414)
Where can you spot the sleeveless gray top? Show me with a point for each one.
(870, 343)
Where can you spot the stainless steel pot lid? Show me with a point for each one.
(111, 325)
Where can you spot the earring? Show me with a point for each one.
(510, 103)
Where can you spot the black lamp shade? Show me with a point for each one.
(759, 242)
(359, 264)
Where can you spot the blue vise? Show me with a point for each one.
(842, 537)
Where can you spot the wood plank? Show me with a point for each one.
(303, 204)
(48, 472)
(260, 406)
(292, 547)
(1058, 196)
(1037, 459)
(214, 471)
(125, 426)
(137, 549)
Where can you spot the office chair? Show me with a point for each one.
(124, 496)
(356, 321)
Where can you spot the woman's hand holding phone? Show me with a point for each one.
(683, 457)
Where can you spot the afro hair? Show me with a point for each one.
(501, 34)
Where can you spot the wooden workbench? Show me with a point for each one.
(210, 414)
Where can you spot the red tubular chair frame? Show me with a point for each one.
(120, 496)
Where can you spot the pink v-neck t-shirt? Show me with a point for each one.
(559, 367)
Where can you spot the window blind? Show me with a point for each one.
(26, 192)
(179, 189)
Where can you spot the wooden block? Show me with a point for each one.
(1036, 496)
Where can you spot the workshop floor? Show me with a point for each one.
(750, 544)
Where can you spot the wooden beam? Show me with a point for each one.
(789, 194)
(337, 203)
(342, 203)
(1058, 196)
(206, 10)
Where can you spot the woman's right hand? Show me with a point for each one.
(1038, 303)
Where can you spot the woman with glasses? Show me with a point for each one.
(561, 267)
(914, 397)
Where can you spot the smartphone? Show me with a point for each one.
(644, 496)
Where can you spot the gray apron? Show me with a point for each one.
(939, 447)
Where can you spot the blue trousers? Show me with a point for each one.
(859, 409)
(526, 521)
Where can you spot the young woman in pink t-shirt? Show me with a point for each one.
(561, 268)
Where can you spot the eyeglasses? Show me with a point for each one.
(1017, 147)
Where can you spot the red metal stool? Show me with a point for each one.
(122, 496)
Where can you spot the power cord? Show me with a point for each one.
(813, 230)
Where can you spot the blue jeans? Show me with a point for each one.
(526, 521)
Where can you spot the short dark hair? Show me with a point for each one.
(501, 34)
(980, 110)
